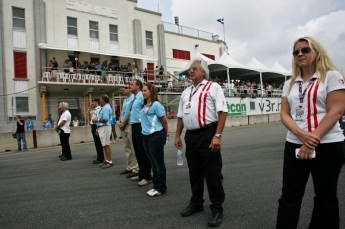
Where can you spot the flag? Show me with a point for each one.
(221, 20)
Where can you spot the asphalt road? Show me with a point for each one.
(39, 191)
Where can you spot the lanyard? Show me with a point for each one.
(148, 108)
(301, 96)
(130, 109)
(191, 90)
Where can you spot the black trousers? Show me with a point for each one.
(203, 163)
(325, 170)
(66, 149)
(98, 144)
(142, 158)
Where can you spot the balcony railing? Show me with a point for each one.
(187, 31)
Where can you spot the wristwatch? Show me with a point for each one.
(218, 136)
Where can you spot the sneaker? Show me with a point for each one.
(150, 191)
(136, 178)
(102, 164)
(107, 165)
(144, 182)
(154, 193)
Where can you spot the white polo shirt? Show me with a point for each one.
(314, 104)
(205, 105)
(67, 117)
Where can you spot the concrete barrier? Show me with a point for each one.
(274, 118)
(46, 138)
(7, 142)
(232, 121)
(257, 119)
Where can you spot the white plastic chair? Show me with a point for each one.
(60, 77)
(74, 77)
(92, 78)
(66, 77)
(46, 75)
(81, 77)
(121, 81)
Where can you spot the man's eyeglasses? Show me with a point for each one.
(304, 50)
(125, 87)
(193, 68)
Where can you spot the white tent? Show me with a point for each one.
(226, 59)
(254, 63)
(278, 68)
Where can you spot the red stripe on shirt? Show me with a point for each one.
(309, 108)
(199, 105)
(205, 105)
(316, 123)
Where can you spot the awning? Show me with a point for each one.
(101, 52)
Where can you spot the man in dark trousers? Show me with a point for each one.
(144, 176)
(20, 134)
(203, 111)
(94, 110)
(64, 131)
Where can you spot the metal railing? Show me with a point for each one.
(187, 31)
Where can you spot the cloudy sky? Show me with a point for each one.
(265, 29)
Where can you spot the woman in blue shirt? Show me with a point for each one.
(154, 129)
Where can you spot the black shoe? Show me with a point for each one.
(65, 159)
(190, 210)
(215, 219)
(97, 162)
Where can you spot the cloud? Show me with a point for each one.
(267, 29)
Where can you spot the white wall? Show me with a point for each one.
(187, 43)
(30, 49)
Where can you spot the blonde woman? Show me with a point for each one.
(312, 103)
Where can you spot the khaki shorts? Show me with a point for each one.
(104, 133)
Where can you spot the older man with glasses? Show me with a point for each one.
(202, 110)
(132, 168)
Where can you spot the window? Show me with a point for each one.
(149, 39)
(22, 104)
(20, 66)
(18, 17)
(180, 54)
(113, 33)
(72, 28)
(93, 29)
(209, 56)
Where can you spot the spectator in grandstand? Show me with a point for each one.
(156, 72)
(75, 122)
(161, 72)
(50, 65)
(170, 83)
(145, 75)
(65, 66)
(312, 103)
(47, 124)
(29, 124)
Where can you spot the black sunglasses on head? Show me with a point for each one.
(304, 50)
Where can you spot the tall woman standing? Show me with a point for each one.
(312, 102)
(154, 129)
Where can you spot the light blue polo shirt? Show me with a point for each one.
(29, 124)
(106, 114)
(150, 118)
(136, 108)
(126, 106)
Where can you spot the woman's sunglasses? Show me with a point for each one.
(304, 50)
